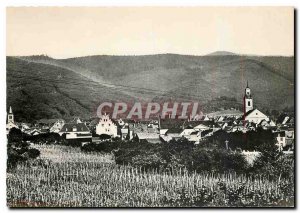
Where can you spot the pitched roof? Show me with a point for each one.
(171, 123)
(80, 127)
(174, 130)
(146, 136)
(194, 133)
(206, 123)
(249, 112)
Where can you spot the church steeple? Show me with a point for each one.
(248, 101)
(10, 116)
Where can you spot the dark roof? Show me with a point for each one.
(206, 123)
(174, 130)
(205, 132)
(44, 130)
(194, 133)
(249, 112)
(281, 118)
(81, 127)
(171, 123)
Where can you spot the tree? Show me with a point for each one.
(17, 149)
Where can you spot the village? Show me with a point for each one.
(160, 130)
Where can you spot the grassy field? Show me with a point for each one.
(65, 177)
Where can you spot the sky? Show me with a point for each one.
(64, 32)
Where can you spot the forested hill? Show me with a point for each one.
(77, 85)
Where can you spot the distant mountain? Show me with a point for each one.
(221, 53)
(75, 86)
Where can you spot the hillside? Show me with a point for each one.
(216, 81)
(37, 91)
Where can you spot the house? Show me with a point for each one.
(44, 130)
(187, 132)
(206, 118)
(286, 121)
(57, 126)
(126, 132)
(289, 137)
(280, 137)
(10, 121)
(195, 136)
(239, 128)
(121, 123)
(174, 133)
(106, 126)
(149, 137)
(24, 127)
(76, 132)
(201, 127)
(267, 124)
(171, 126)
(35, 132)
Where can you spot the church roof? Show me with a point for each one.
(80, 127)
(249, 112)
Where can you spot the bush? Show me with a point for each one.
(275, 162)
(33, 153)
(172, 156)
(17, 149)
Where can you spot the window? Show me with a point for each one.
(249, 103)
(281, 139)
(102, 125)
(10, 117)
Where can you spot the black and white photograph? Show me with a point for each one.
(150, 107)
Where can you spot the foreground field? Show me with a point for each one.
(66, 177)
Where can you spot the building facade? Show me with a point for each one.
(10, 121)
(106, 126)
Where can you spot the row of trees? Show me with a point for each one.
(209, 156)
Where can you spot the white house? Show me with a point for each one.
(106, 126)
(76, 131)
(187, 132)
(201, 127)
(57, 126)
(24, 127)
(10, 121)
(195, 137)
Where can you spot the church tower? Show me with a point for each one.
(10, 116)
(248, 101)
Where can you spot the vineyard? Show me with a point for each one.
(65, 177)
